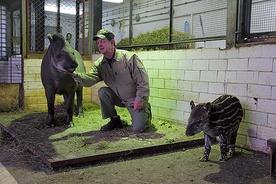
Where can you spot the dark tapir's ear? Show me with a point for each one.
(50, 38)
(207, 107)
(192, 104)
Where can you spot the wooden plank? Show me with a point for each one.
(130, 153)
(45, 158)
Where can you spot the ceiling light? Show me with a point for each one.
(113, 1)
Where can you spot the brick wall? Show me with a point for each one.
(177, 77)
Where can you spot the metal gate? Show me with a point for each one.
(11, 75)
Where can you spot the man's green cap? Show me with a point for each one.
(104, 34)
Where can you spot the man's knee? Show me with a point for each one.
(142, 122)
(102, 91)
(140, 125)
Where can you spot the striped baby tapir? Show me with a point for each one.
(220, 118)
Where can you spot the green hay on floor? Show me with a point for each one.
(84, 138)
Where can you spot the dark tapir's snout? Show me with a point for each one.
(66, 60)
(70, 66)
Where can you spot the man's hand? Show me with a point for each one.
(137, 105)
(74, 75)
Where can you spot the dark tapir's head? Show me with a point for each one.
(198, 118)
(62, 54)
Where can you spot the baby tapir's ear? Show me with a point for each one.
(207, 107)
(192, 104)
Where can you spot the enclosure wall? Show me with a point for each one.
(179, 76)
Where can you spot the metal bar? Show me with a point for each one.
(90, 28)
(130, 21)
(244, 19)
(83, 28)
(247, 18)
(58, 16)
(77, 31)
(171, 20)
(95, 20)
(178, 42)
(262, 34)
(272, 144)
(23, 48)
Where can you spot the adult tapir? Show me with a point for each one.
(60, 60)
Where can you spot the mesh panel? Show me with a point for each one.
(263, 16)
(115, 17)
(201, 18)
(147, 16)
(56, 16)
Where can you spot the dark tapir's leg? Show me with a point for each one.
(223, 147)
(79, 93)
(69, 102)
(50, 96)
(207, 149)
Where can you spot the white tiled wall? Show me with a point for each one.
(176, 77)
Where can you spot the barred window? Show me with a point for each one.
(257, 21)
(201, 22)
(56, 16)
(263, 16)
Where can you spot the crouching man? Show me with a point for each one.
(126, 80)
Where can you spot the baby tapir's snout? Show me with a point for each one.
(199, 116)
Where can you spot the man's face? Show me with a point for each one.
(105, 46)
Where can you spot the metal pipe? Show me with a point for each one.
(130, 21)
(171, 20)
(83, 27)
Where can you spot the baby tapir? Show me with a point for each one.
(219, 118)
(60, 60)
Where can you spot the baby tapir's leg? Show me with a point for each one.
(223, 147)
(207, 148)
(232, 143)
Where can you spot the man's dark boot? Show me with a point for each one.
(112, 124)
